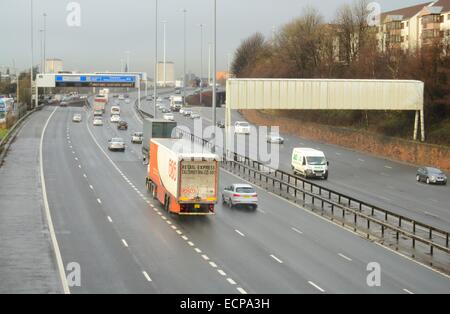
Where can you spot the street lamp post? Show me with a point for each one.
(45, 42)
(156, 61)
(214, 94)
(184, 59)
(164, 58)
(201, 64)
(32, 56)
(209, 64)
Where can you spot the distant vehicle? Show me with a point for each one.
(275, 138)
(115, 95)
(309, 162)
(121, 97)
(181, 111)
(98, 113)
(177, 91)
(127, 96)
(431, 175)
(116, 143)
(122, 125)
(100, 102)
(185, 182)
(149, 98)
(155, 128)
(98, 121)
(64, 103)
(195, 115)
(168, 117)
(187, 112)
(115, 110)
(159, 99)
(220, 124)
(136, 137)
(76, 117)
(176, 103)
(240, 194)
(127, 101)
(166, 110)
(241, 127)
(115, 118)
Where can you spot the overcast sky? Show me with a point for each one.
(109, 28)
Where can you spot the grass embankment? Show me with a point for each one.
(3, 133)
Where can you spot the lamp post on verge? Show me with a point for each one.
(155, 80)
(214, 93)
(201, 64)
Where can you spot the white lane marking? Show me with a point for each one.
(109, 219)
(339, 154)
(79, 166)
(231, 281)
(70, 147)
(73, 152)
(179, 232)
(430, 214)
(84, 175)
(185, 238)
(214, 265)
(173, 227)
(59, 261)
(91, 187)
(205, 257)
(388, 167)
(197, 250)
(276, 258)
(261, 211)
(316, 286)
(99, 201)
(407, 291)
(124, 243)
(384, 174)
(169, 222)
(240, 233)
(296, 230)
(242, 291)
(345, 257)
(190, 243)
(164, 217)
(76, 158)
(147, 276)
(220, 271)
(361, 160)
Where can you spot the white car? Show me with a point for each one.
(275, 138)
(187, 112)
(181, 110)
(98, 121)
(115, 110)
(195, 115)
(116, 143)
(168, 117)
(76, 117)
(115, 118)
(127, 101)
(240, 194)
(137, 137)
(241, 127)
(121, 97)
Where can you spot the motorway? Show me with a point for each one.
(125, 243)
(384, 183)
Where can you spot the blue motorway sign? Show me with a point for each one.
(95, 80)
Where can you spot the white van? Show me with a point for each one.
(310, 163)
(241, 127)
(115, 110)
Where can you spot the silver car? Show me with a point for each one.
(76, 117)
(240, 194)
(116, 143)
(194, 115)
(275, 138)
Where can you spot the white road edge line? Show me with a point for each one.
(51, 228)
(99, 201)
(407, 291)
(109, 219)
(124, 243)
(242, 291)
(231, 281)
(316, 286)
(296, 230)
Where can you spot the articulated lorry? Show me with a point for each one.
(182, 177)
(176, 103)
(100, 102)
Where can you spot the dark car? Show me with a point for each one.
(220, 124)
(431, 175)
(122, 125)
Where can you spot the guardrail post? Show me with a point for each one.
(343, 216)
(332, 211)
(355, 222)
(414, 226)
(382, 231)
(430, 235)
(431, 249)
(446, 240)
(368, 228)
(400, 222)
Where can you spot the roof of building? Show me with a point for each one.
(444, 5)
(405, 13)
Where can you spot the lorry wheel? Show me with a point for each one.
(167, 203)
(153, 190)
(223, 200)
